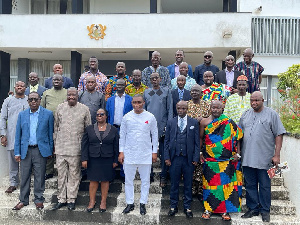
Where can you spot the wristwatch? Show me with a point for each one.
(238, 155)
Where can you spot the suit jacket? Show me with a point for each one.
(175, 96)
(67, 82)
(44, 133)
(110, 107)
(40, 90)
(193, 140)
(171, 69)
(93, 145)
(200, 69)
(221, 77)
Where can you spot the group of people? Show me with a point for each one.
(200, 124)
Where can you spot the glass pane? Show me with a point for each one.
(53, 7)
(264, 82)
(66, 64)
(38, 6)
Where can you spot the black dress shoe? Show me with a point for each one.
(71, 206)
(143, 209)
(102, 210)
(265, 217)
(172, 211)
(48, 176)
(151, 179)
(163, 182)
(58, 206)
(188, 213)
(128, 208)
(250, 213)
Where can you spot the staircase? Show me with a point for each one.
(282, 210)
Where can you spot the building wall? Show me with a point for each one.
(117, 6)
(289, 8)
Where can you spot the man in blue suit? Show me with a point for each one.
(58, 69)
(118, 105)
(182, 152)
(33, 144)
(33, 80)
(174, 68)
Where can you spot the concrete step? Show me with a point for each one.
(277, 181)
(256, 220)
(49, 184)
(47, 222)
(134, 217)
(13, 198)
(154, 200)
(26, 213)
(78, 215)
(154, 187)
(83, 198)
(277, 193)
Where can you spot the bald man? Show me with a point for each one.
(253, 70)
(11, 108)
(263, 134)
(58, 69)
(174, 70)
(206, 66)
(182, 153)
(33, 81)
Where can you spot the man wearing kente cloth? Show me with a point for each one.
(222, 176)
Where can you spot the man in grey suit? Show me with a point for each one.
(228, 76)
(33, 144)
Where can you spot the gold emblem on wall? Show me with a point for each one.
(96, 31)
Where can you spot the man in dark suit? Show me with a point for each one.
(58, 69)
(228, 76)
(180, 93)
(33, 144)
(33, 80)
(182, 152)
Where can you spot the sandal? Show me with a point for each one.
(206, 215)
(226, 217)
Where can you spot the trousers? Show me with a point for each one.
(130, 171)
(13, 169)
(69, 176)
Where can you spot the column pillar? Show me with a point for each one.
(77, 6)
(63, 6)
(4, 75)
(153, 6)
(5, 6)
(75, 66)
(23, 69)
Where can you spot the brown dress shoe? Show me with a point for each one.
(19, 206)
(10, 189)
(39, 205)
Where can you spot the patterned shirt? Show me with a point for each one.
(163, 73)
(111, 87)
(198, 110)
(236, 105)
(190, 82)
(69, 125)
(132, 90)
(252, 72)
(101, 81)
(216, 91)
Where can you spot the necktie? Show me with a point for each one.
(181, 125)
(180, 94)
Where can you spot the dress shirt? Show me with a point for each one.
(34, 118)
(184, 122)
(138, 137)
(180, 93)
(33, 88)
(177, 73)
(189, 83)
(229, 77)
(119, 108)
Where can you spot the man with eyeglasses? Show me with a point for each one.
(159, 102)
(206, 66)
(229, 75)
(71, 119)
(11, 108)
(33, 144)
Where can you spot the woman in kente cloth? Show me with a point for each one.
(197, 109)
(222, 176)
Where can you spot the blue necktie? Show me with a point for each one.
(181, 125)
(180, 94)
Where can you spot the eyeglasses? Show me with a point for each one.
(207, 56)
(154, 78)
(100, 114)
(33, 99)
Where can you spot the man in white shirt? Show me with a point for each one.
(138, 149)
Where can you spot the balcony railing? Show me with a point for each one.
(276, 35)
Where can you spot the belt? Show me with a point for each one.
(117, 126)
(32, 146)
